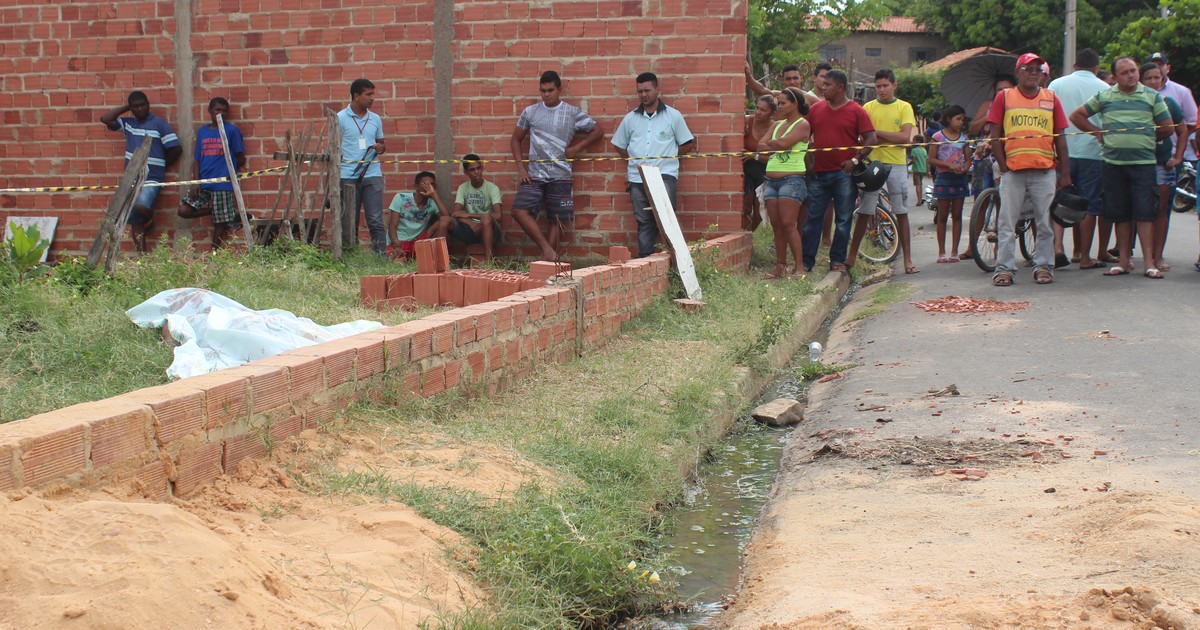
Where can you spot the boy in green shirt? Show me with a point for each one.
(477, 206)
(416, 216)
(919, 159)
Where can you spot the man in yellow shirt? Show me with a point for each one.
(894, 123)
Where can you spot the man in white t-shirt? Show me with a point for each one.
(477, 206)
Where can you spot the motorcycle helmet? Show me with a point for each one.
(870, 176)
(1068, 209)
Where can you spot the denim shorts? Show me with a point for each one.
(1164, 176)
(791, 187)
(1129, 193)
(145, 199)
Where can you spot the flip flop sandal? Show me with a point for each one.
(1095, 265)
(1061, 260)
(1153, 274)
(1117, 271)
(1043, 276)
(1003, 279)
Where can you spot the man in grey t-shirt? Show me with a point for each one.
(552, 127)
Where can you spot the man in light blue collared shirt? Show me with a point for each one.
(651, 130)
(1087, 161)
(362, 140)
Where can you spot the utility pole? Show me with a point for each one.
(1069, 41)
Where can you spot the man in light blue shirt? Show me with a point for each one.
(362, 144)
(651, 130)
(1087, 160)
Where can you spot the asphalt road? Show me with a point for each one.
(1140, 382)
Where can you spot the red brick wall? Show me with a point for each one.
(282, 62)
(178, 437)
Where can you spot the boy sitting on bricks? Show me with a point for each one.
(416, 216)
(477, 207)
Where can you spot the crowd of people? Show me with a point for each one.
(653, 134)
(1115, 139)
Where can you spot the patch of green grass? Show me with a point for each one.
(810, 370)
(883, 297)
(615, 430)
(66, 339)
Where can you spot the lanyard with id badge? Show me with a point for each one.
(362, 140)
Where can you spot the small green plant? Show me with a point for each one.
(78, 275)
(810, 370)
(23, 251)
(776, 316)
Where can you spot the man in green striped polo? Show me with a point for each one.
(1132, 118)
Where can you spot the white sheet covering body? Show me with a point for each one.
(215, 332)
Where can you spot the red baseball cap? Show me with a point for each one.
(1029, 58)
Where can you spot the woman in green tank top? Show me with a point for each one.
(785, 190)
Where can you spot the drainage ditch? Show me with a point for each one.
(715, 519)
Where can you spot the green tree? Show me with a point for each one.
(922, 89)
(790, 31)
(1175, 35)
(1027, 25)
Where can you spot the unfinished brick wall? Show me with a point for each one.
(175, 438)
(283, 62)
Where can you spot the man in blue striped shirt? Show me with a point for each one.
(164, 151)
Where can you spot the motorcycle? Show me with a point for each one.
(1185, 189)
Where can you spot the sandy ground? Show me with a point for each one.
(870, 525)
(252, 551)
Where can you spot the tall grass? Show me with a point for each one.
(616, 430)
(65, 338)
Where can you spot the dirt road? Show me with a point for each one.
(1058, 488)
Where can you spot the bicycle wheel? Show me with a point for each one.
(1026, 237)
(882, 239)
(985, 217)
(1185, 193)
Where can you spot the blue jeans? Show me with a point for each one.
(647, 227)
(823, 187)
(369, 198)
(1086, 178)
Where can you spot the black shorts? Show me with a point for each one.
(558, 194)
(1129, 192)
(465, 234)
(755, 174)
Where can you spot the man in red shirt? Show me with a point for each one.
(1031, 119)
(836, 122)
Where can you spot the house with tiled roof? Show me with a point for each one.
(892, 42)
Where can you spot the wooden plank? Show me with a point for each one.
(668, 225)
(114, 252)
(237, 186)
(127, 191)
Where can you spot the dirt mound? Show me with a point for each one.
(253, 550)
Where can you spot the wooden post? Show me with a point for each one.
(114, 252)
(233, 179)
(333, 187)
(126, 194)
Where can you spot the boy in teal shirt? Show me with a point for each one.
(477, 206)
(416, 216)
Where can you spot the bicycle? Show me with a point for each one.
(984, 229)
(882, 241)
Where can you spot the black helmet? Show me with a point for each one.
(1068, 209)
(870, 176)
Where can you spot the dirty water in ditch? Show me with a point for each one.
(719, 508)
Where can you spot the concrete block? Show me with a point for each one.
(426, 264)
(450, 289)
(501, 288)
(122, 434)
(618, 255)
(476, 290)
(241, 447)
